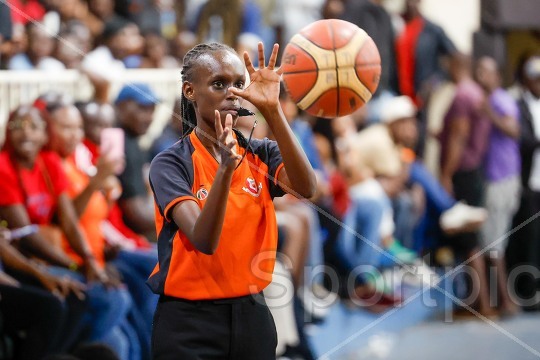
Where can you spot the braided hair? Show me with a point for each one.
(187, 110)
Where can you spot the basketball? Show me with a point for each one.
(331, 68)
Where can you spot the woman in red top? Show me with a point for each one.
(34, 188)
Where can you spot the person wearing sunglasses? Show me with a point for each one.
(215, 219)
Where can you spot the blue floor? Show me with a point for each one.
(347, 329)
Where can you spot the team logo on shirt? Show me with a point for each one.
(202, 193)
(251, 187)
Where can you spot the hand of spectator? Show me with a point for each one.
(7, 280)
(101, 85)
(62, 286)
(94, 273)
(4, 234)
(114, 276)
(486, 108)
(105, 169)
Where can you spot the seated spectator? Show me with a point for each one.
(156, 53)
(38, 54)
(400, 132)
(216, 23)
(40, 306)
(102, 10)
(119, 40)
(97, 117)
(171, 133)
(91, 197)
(135, 257)
(368, 227)
(27, 9)
(181, 44)
(135, 106)
(76, 42)
(35, 188)
(77, 10)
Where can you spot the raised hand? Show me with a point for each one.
(263, 90)
(228, 156)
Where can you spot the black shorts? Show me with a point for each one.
(236, 328)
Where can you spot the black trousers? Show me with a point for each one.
(235, 329)
(524, 248)
(468, 186)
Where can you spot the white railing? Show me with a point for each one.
(22, 87)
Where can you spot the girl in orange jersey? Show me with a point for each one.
(215, 219)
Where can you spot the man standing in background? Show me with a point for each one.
(502, 171)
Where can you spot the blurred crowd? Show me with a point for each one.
(77, 241)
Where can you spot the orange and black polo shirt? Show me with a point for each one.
(244, 260)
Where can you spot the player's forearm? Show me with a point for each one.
(299, 171)
(207, 229)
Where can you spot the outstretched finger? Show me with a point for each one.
(261, 55)
(249, 64)
(231, 146)
(78, 289)
(273, 57)
(228, 121)
(223, 137)
(217, 124)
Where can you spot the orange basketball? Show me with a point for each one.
(331, 68)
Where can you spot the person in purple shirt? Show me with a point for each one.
(464, 141)
(502, 169)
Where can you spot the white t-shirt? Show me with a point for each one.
(101, 62)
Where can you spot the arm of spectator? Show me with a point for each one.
(70, 227)
(101, 86)
(16, 216)
(105, 168)
(13, 259)
(139, 214)
(507, 124)
(457, 139)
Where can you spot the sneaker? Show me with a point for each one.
(462, 218)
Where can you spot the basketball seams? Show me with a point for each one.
(319, 55)
(333, 37)
(322, 84)
(331, 69)
(304, 52)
